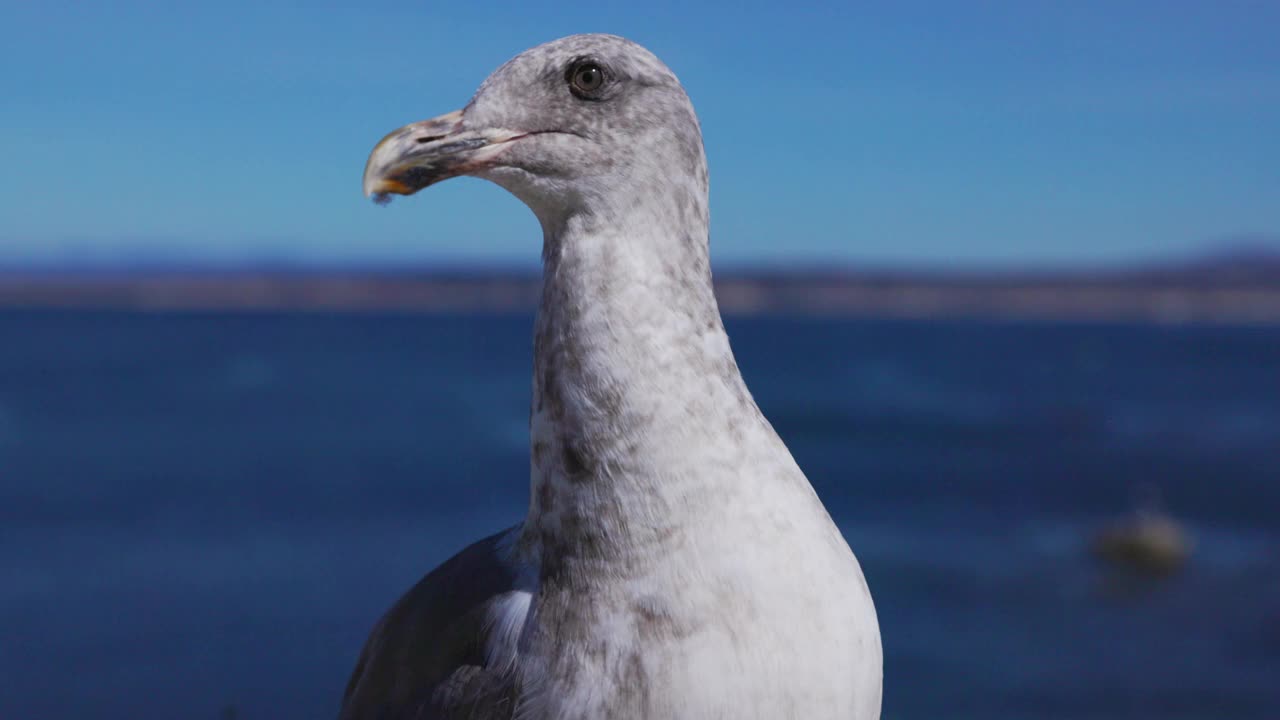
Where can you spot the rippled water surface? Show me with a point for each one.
(202, 511)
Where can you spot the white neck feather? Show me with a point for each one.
(638, 405)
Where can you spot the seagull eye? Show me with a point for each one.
(586, 79)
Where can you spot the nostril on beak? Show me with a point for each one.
(429, 138)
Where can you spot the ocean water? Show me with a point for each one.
(201, 515)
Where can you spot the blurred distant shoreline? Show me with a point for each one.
(1232, 290)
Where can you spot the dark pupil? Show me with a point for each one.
(589, 77)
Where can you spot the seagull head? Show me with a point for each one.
(565, 126)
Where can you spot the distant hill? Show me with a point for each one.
(1220, 289)
(1239, 281)
(1256, 262)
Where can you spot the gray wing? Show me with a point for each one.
(425, 659)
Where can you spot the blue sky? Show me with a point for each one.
(945, 133)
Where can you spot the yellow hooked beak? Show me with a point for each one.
(423, 153)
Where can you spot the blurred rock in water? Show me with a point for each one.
(1150, 542)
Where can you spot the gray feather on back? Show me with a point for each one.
(425, 659)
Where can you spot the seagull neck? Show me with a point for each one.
(636, 393)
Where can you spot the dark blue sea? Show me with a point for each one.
(201, 515)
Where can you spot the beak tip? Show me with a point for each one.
(380, 190)
(397, 165)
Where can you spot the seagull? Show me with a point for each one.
(674, 562)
